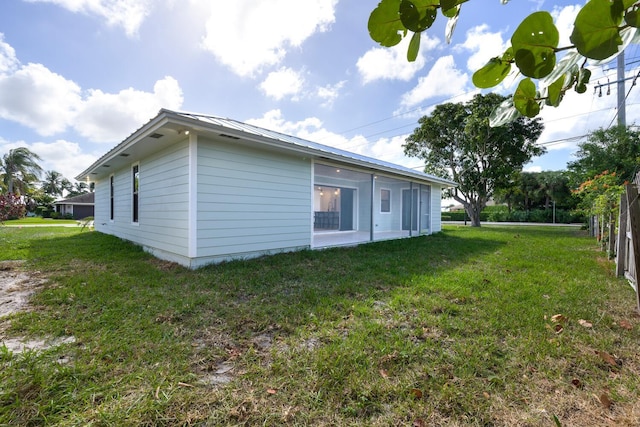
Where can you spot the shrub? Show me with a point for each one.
(11, 207)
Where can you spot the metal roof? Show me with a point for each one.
(213, 123)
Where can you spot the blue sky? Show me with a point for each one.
(79, 76)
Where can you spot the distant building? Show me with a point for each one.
(79, 207)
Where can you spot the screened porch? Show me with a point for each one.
(351, 206)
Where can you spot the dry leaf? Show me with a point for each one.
(272, 390)
(486, 395)
(558, 329)
(585, 323)
(606, 401)
(625, 325)
(607, 358)
(558, 318)
(417, 393)
(384, 373)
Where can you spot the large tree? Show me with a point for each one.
(457, 142)
(616, 149)
(19, 170)
(602, 29)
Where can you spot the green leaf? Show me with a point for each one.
(503, 114)
(417, 15)
(384, 23)
(534, 43)
(632, 18)
(450, 4)
(451, 8)
(524, 99)
(595, 32)
(555, 92)
(492, 74)
(565, 66)
(583, 79)
(414, 47)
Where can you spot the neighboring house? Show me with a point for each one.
(79, 207)
(198, 189)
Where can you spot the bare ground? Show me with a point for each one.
(16, 287)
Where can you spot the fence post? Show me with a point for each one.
(621, 250)
(612, 236)
(633, 205)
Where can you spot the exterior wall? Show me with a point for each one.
(250, 202)
(436, 204)
(163, 204)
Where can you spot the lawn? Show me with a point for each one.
(37, 220)
(497, 326)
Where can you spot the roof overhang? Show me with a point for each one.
(169, 127)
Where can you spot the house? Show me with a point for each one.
(197, 189)
(79, 207)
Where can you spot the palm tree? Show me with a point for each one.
(19, 169)
(77, 189)
(54, 183)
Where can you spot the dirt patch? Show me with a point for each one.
(16, 287)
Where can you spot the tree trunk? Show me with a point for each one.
(474, 214)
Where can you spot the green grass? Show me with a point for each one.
(450, 329)
(36, 220)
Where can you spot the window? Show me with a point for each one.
(136, 186)
(111, 192)
(385, 201)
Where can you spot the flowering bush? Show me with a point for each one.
(11, 207)
(601, 194)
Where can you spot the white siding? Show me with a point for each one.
(250, 201)
(163, 203)
(436, 203)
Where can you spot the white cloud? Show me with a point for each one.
(483, 45)
(444, 79)
(281, 83)
(38, 98)
(383, 63)
(48, 103)
(564, 19)
(532, 168)
(247, 35)
(8, 60)
(330, 93)
(61, 156)
(107, 117)
(311, 129)
(128, 14)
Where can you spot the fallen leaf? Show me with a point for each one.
(558, 318)
(607, 358)
(486, 395)
(272, 391)
(625, 325)
(417, 393)
(606, 401)
(384, 373)
(558, 329)
(585, 323)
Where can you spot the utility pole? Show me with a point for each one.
(622, 110)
